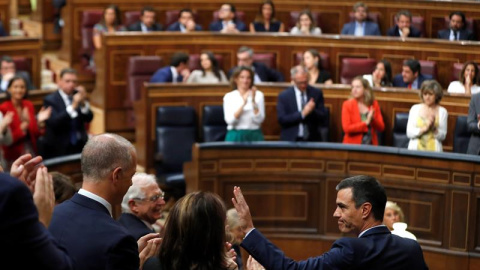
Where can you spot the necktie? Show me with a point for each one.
(73, 127)
(410, 86)
(306, 133)
(455, 35)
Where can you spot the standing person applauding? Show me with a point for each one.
(244, 108)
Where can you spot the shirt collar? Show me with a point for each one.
(362, 233)
(96, 198)
(174, 73)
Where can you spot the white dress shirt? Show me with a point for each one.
(73, 113)
(299, 97)
(359, 29)
(174, 74)
(232, 101)
(96, 198)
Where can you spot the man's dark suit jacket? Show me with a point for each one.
(175, 27)
(217, 26)
(92, 237)
(472, 121)
(465, 34)
(24, 241)
(371, 29)
(393, 32)
(398, 80)
(58, 127)
(164, 75)
(134, 225)
(376, 249)
(25, 76)
(265, 73)
(289, 117)
(137, 26)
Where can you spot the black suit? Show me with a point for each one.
(465, 34)
(137, 26)
(24, 242)
(134, 225)
(57, 139)
(265, 73)
(414, 32)
(289, 117)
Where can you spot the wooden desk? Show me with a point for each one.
(113, 58)
(390, 100)
(5, 14)
(291, 193)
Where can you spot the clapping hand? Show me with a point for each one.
(25, 168)
(44, 114)
(252, 264)
(243, 210)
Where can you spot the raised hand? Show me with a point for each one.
(44, 197)
(252, 264)
(25, 168)
(243, 210)
(44, 114)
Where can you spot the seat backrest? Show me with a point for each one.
(175, 135)
(294, 15)
(171, 16)
(400, 138)
(429, 68)
(214, 126)
(456, 69)
(461, 136)
(352, 67)
(268, 59)
(132, 17)
(324, 60)
(89, 19)
(23, 64)
(194, 61)
(139, 70)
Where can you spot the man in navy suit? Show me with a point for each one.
(228, 22)
(300, 109)
(360, 207)
(147, 22)
(65, 132)
(186, 22)
(457, 29)
(403, 27)
(142, 205)
(361, 26)
(262, 72)
(84, 224)
(411, 76)
(176, 72)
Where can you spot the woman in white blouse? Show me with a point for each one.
(306, 25)
(467, 83)
(209, 72)
(427, 121)
(244, 108)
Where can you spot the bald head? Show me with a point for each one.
(103, 153)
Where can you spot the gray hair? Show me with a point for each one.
(103, 153)
(246, 49)
(298, 69)
(140, 181)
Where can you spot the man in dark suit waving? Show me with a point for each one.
(147, 22)
(360, 207)
(300, 109)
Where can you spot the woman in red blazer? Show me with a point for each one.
(361, 115)
(24, 128)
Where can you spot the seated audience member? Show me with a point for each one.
(427, 121)
(65, 132)
(24, 219)
(393, 213)
(194, 235)
(457, 30)
(306, 25)
(228, 23)
(147, 22)
(403, 27)
(468, 80)
(244, 108)
(381, 76)
(311, 61)
(300, 109)
(473, 122)
(142, 205)
(3, 33)
(236, 234)
(176, 72)
(84, 224)
(361, 115)
(8, 71)
(360, 205)
(361, 26)
(210, 72)
(26, 126)
(63, 187)
(111, 22)
(411, 76)
(186, 22)
(261, 71)
(265, 20)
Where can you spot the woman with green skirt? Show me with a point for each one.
(244, 108)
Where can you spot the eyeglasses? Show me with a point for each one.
(153, 198)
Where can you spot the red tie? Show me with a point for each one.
(409, 86)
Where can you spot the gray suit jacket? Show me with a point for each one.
(472, 122)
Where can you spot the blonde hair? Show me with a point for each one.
(396, 208)
(368, 96)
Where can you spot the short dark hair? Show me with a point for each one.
(233, 10)
(185, 10)
(405, 13)
(360, 4)
(459, 13)
(147, 9)
(67, 71)
(178, 58)
(366, 189)
(414, 65)
(12, 80)
(7, 59)
(63, 187)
